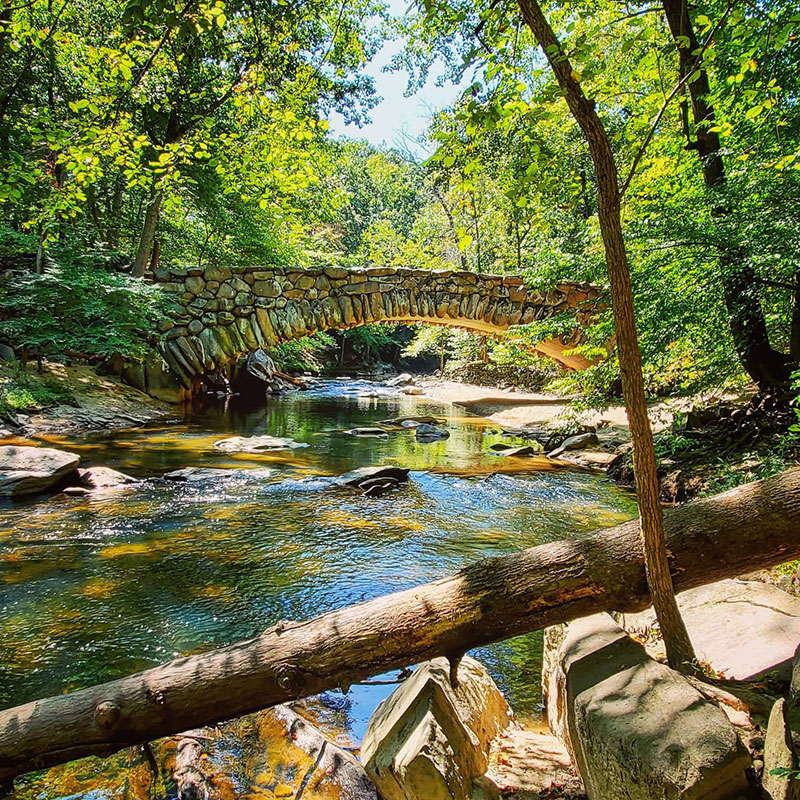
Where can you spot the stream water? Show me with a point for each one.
(92, 588)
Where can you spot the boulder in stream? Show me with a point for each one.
(358, 477)
(30, 470)
(104, 478)
(413, 421)
(430, 433)
(430, 739)
(256, 444)
(578, 442)
(525, 450)
(636, 728)
(404, 379)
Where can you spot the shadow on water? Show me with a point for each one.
(94, 588)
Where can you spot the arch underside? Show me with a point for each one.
(223, 314)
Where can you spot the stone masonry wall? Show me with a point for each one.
(223, 312)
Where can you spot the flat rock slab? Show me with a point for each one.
(741, 629)
(528, 765)
(256, 444)
(30, 470)
(199, 474)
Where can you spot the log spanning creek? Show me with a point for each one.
(95, 587)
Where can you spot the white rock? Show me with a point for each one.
(256, 444)
(104, 478)
(30, 470)
(636, 728)
(429, 740)
(742, 629)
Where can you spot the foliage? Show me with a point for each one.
(213, 115)
(796, 401)
(79, 309)
(20, 393)
(307, 353)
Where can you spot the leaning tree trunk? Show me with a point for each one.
(754, 526)
(765, 365)
(679, 649)
(143, 252)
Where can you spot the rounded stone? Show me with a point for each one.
(194, 284)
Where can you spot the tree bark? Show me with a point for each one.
(676, 639)
(754, 526)
(142, 258)
(765, 365)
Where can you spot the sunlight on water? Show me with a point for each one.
(92, 589)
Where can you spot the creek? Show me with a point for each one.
(95, 587)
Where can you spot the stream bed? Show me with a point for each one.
(95, 587)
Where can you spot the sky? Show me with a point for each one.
(397, 120)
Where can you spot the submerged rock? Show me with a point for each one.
(193, 474)
(429, 433)
(30, 470)
(299, 760)
(256, 444)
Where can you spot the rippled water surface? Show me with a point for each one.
(94, 588)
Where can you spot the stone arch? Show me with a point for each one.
(222, 313)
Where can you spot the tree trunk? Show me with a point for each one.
(462, 257)
(143, 252)
(752, 527)
(679, 649)
(115, 214)
(765, 365)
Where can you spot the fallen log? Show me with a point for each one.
(754, 526)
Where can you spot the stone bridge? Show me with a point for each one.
(223, 313)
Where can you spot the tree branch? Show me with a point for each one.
(681, 83)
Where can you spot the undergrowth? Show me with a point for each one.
(22, 394)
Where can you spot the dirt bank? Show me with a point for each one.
(92, 402)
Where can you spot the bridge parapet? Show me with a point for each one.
(222, 313)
